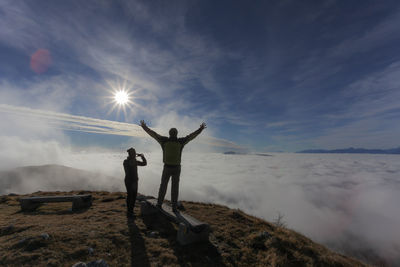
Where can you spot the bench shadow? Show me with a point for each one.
(53, 212)
(138, 247)
(196, 254)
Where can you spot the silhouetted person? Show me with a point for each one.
(172, 150)
(131, 178)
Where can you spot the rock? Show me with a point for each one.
(153, 234)
(22, 242)
(7, 230)
(45, 236)
(90, 251)
(98, 263)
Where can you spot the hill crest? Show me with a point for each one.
(103, 231)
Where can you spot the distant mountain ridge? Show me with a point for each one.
(242, 153)
(353, 150)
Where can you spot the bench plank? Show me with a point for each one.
(55, 198)
(179, 217)
(78, 201)
(190, 229)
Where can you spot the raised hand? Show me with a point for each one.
(203, 126)
(142, 123)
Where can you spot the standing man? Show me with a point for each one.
(131, 178)
(172, 150)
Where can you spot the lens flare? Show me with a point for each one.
(40, 61)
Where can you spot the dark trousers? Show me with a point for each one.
(131, 190)
(174, 172)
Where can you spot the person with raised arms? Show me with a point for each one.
(172, 147)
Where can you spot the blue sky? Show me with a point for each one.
(266, 75)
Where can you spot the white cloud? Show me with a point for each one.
(347, 202)
(65, 121)
(326, 197)
(118, 51)
(17, 151)
(373, 38)
(375, 94)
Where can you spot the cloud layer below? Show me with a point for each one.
(347, 202)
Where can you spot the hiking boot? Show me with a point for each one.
(174, 209)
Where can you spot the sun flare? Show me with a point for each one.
(121, 97)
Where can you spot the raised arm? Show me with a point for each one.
(143, 162)
(193, 135)
(150, 131)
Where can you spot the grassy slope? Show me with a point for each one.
(234, 239)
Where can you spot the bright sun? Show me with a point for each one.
(121, 97)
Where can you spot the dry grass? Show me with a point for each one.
(148, 241)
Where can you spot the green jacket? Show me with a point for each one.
(172, 147)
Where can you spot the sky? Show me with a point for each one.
(264, 75)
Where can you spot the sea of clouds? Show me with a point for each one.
(348, 202)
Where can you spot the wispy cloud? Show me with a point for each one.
(375, 37)
(91, 125)
(268, 71)
(279, 124)
(117, 51)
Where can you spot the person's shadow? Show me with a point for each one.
(138, 248)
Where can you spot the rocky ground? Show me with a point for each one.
(54, 235)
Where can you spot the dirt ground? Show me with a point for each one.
(54, 235)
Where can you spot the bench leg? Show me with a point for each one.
(29, 206)
(186, 236)
(147, 209)
(80, 203)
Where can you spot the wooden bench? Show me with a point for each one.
(190, 229)
(78, 201)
